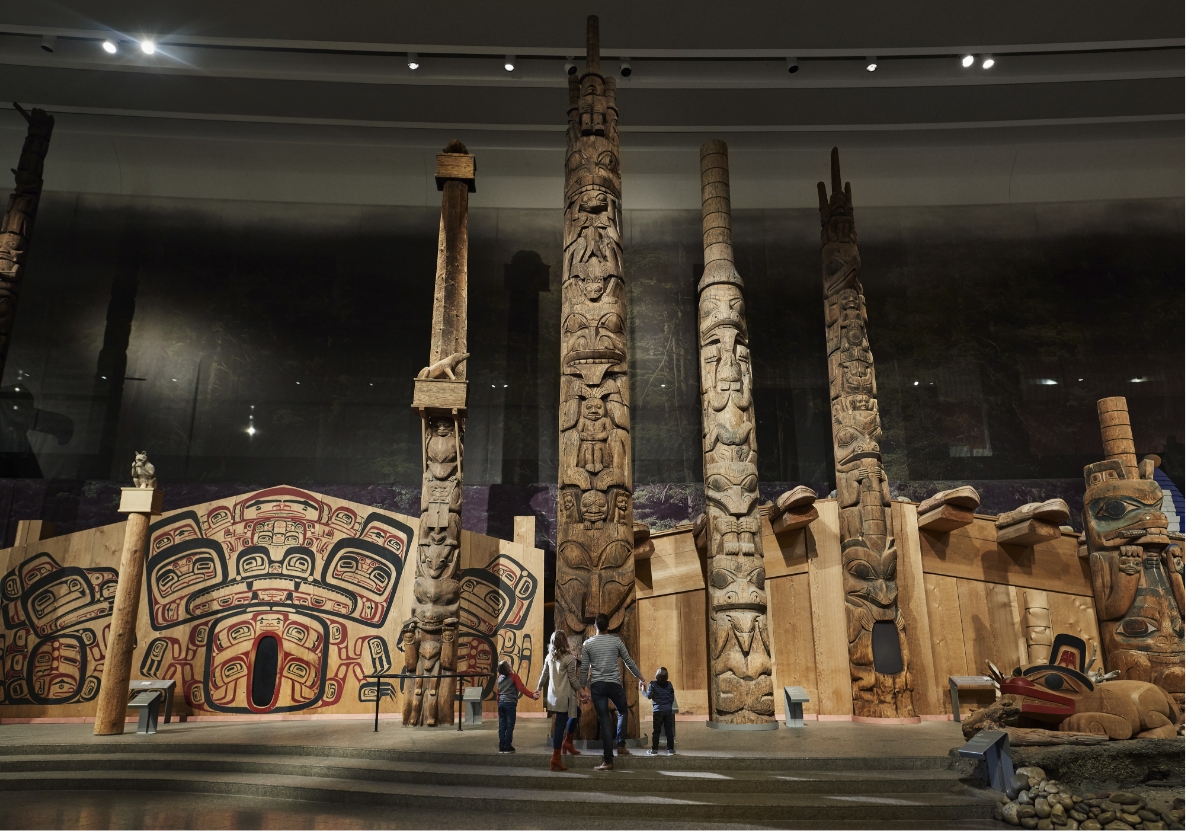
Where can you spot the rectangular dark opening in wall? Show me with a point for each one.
(263, 671)
(887, 648)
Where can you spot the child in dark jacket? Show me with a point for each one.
(510, 687)
(661, 692)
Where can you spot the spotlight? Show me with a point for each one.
(147, 47)
(988, 62)
(109, 47)
(413, 61)
(792, 65)
(509, 63)
(47, 43)
(626, 70)
(871, 64)
(967, 60)
(570, 65)
(251, 431)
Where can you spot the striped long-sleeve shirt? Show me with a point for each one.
(599, 660)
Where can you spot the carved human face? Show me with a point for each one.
(594, 506)
(737, 583)
(442, 427)
(594, 582)
(593, 409)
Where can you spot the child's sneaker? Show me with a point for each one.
(670, 753)
(652, 752)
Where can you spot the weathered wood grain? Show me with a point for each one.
(829, 618)
(912, 600)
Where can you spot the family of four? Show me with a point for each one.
(594, 677)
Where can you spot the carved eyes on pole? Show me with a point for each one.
(864, 570)
(722, 579)
(1136, 627)
(1114, 509)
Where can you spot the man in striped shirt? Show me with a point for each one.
(600, 673)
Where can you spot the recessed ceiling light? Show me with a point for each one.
(625, 69)
(147, 47)
(570, 66)
(109, 47)
(792, 65)
(967, 60)
(413, 61)
(870, 63)
(988, 62)
(509, 63)
(47, 43)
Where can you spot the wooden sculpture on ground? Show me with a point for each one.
(429, 637)
(1060, 701)
(595, 515)
(878, 657)
(741, 689)
(1136, 562)
(17, 229)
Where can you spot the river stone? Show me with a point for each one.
(1050, 787)
(1065, 802)
(1045, 825)
(1076, 799)
(1057, 812)
(1095, 810)
(1155, 826)
(1024, 798)
(1148, 816)
(1071, 824)
(1131, 819)
(1042, 807)
(1124, 798)
(1017, 783)
(1078, 816)
(1009, 813)
(1117, 825)
(1031, 772)
(1090, 825)
(1105, 817)
(1029, 822)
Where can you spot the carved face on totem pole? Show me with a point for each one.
(1136, 572)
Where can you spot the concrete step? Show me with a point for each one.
(516, 772)
(732, 805)
(687, 760)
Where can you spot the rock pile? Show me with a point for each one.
(1037, 802)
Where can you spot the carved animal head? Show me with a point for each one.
(871, 580)
(731, 486)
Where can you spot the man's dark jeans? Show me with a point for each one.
(664, 721)
(507, 713)
(603, 693)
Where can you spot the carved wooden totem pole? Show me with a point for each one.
(17, 229)
(595, 515)
(877, 652)
(741, 688)
(429, 637)
(1136, 562)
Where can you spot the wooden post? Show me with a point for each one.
(879, 658)
(429, 636)
(17, 229)
(741, 686)
(139, 503)
(1136, 568)
(595, 515)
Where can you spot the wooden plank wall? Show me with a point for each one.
(960, 594)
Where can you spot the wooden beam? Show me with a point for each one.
(944, 518)
(912, 600)
(1028, 533)
(829, 619)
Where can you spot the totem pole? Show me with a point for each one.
(17, 229)
(741, 689)
(595, 515)
(877, 652)
(429, 637)
(1136, 561)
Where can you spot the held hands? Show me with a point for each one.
(642, 687)
(535, 695)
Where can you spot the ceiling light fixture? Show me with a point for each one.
(413, 61)
(792, 65)
(967, 60)
(47, 43)
(509, 63)
(147, 47)
(625, 69)
(988, 62)
(871, 63)
(570, 65)
(109, 47)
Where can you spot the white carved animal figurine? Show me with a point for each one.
(143, 472)
(443, 367)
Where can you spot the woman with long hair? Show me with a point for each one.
(563, 701)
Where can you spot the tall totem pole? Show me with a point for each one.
(741, 689)
(1136, 561)
(17, 229)
(429, 637)
(879, 663)
(595, 515)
